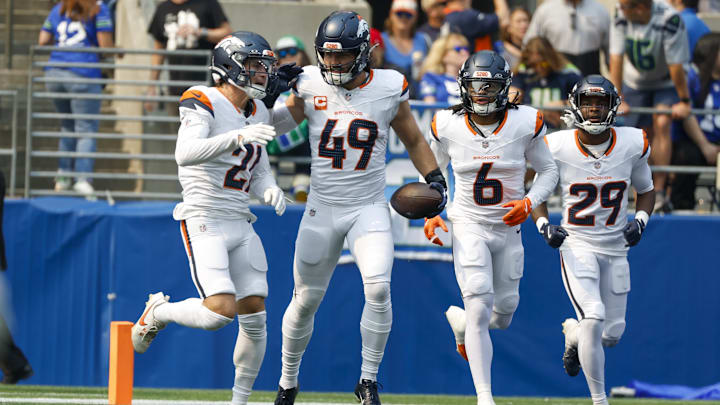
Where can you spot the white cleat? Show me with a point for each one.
(456, 319)
(571, 360)
(146, 328)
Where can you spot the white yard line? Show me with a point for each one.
(135, 401)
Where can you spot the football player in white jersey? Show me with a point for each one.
(597, 163)
(350, 109)
(221, 157)
(489, 142)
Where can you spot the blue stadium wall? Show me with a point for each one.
(75, 266)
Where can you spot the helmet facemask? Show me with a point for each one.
(251, 73)
(483, 96)
(594, 111)
(338, 74)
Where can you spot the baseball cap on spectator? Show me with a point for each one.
(289, 42)
(409, 6)
(376, 38)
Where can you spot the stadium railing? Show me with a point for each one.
(35, 77)
(12, 151)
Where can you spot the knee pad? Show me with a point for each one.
(507, 304)
(311, 246)
(253, 325)
(210, 320)
(613, 332)
(377, 296)
(478, 284)
(500, 321)
(307, 301)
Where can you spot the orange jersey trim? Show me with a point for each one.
(467, 122)
(368, 80)
(433, 127)
(197, 95)
(646, 143)
(612, 144)
(577, 142)
(502, 124)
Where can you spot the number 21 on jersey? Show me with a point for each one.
(231, 180)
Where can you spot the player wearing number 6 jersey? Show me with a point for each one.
(350, 109)
(597, 164)
(221, 157)
(489, 142)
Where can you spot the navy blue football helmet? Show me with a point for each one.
(242, 56)
(484, 81)
(343, 31)
(594, 85)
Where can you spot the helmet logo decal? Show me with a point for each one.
(332, 45)
(268, 52)
(230, 42)
(482, 73)
(363, 28)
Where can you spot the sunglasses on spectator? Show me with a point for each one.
(460, 49)
(287, 52)
(404, 14)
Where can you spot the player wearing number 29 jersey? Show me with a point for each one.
(350, 109)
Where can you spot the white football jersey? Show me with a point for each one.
(218, 186)
(348, 133)
(489, 168)
(595, 190)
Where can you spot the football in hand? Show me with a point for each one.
(415, 200)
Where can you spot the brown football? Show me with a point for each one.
(415, 200)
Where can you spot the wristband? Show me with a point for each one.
(685, 100)
(643, 217)
(542, 221)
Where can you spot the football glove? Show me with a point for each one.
(436, 180)
(633, 231)
(430, 225)
(255, 133)
(554, 235)
(283, 81)
(274, 196)
(519, 212)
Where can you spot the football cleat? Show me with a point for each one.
(146, 328)
(286, 396)
(456, 319)
(571, 360)
(366, 392)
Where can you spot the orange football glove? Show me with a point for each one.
(519, 212)
(430, 225)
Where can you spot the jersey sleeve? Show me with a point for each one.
(438, 147)
(641, 176)
(51, 21)
(675, 40)
(156, 28)
(617, 33)
(539, 156)
(103, 19)
(404, 91)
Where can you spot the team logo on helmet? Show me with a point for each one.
(332, 45)
(231, 44)
(363, 27)
(482, 73)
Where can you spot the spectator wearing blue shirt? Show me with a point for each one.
(695, 27)
(440, 69)
(696, 141)
(405, 48)
(76, 24)
(544, 78)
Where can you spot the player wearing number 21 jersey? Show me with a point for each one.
(350, 109)
(222, 160)
(597, 163)
(489, 142)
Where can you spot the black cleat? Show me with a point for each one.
(14, 377)
(366, 392)
(286, 396)
(571, 361)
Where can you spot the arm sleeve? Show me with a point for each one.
(617, 34)
(193, 145)
(438, 149)
(281, 119)
(48, 24)
(675, 41)
(262, 177)
(103, 20)
(641, 176)
(156, 26)
(540, 158)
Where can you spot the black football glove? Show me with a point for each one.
(554, 235)
(281, 82)
(436, 180)
(633, 231)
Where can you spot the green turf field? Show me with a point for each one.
(34, 394)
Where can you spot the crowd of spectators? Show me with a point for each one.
(645, 49)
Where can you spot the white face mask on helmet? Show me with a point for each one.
(594, 128)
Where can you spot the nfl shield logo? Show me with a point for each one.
(312, 212)
(485, 144)
(347, 96)
(597, 165)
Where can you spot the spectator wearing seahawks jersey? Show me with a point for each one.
(76, 24)
(543, 78)
(648, 48)
(698, 145)
(439, 71)
(578, 29)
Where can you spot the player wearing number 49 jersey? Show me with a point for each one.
(221, 160)
(489, 142)
(597, 163)
(350, 109)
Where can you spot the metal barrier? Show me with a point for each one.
(33, 116)
(12, 151)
